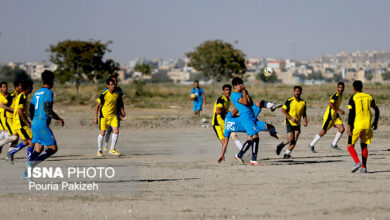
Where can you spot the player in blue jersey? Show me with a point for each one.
(119, 115)
(199, 98)
(41, 113)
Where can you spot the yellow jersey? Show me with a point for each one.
(224, 103)
(295, 109)
(109, 103)
(2, 111)
(336, 98)
(20, 103)
(359, 106)
(10, 102)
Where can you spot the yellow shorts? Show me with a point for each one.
(365, 136)
(329, 122)
(9, 126)
(24, 133)
(105, 122)
(219, 131)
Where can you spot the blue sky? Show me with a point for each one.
(170, 28)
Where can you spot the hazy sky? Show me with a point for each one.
(169, 28)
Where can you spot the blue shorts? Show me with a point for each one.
(42, 134)
(256, 110)
(198, 105)
(249, 125)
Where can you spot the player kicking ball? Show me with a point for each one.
(41, 113)
(332, 119)
(107, 104)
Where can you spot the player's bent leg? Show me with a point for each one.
(107, 138)
(337, 136)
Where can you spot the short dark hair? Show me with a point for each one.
(196, 81)
(18, 82)
(358, 85)
(341, 83)
(110, 80)
(237, 81)
(226, 86)
(298, 87)
(4, 82)
(27, 84)
(114, 76)
(47, 77)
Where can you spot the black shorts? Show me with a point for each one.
(291, 128)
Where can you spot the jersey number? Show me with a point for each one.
(36, 105)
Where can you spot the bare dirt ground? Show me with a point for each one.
(168, 170)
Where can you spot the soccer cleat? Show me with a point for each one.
(335, 147)
(114, 152)
(254, 163)
(100, 154)
(239, 159)
(363, 170)
(25, 176)
(279, 148)
(10, 158)
(275, 106)
(356, 167)
(105, 149)
(311, 148)
(286, 156)
(274, 134)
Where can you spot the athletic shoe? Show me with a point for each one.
(356, 167)
(10, 158)
(239, 159)
(275, 106)
(335, 147)
(114, 152)
(286, 156)
(100, 154)
(279, 148)
(363, 170)
(311, 148)
(25, 176)
(274, 134)
(105, 149)
(254, 163)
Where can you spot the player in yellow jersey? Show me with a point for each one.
(294, 109)
(360, 124)
(332, 118)
(107, 105)
(3, 94)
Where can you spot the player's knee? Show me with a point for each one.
(293, 142)
(341, 130)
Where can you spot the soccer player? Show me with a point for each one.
(200, 98)
(241, 101)
(119, 115)
(221, 108)
(360, 124)
(41, 113)
(294, 109)
(332, 118)
(21, 124)
(3, 94)
(108, 102)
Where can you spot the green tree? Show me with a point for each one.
(386, 75)
(78, 61)
(10, 74)
(143, 68)
(218, 60)
(262, 77)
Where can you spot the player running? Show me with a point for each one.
(21, 124)
(332, 118)
(294, 108)
(3, 94)
(199, 98)
(41, 113)
(108, 103)
(119, 115)
(360, 124)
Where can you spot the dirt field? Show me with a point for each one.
(168, 170)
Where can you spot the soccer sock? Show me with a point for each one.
(288, 152)
(44, 155)
(268, 104)
(244, 148)
(29, 152)
(238, 144)
(353, 153)
(100, 142)
(364, 155)
(315, 140)
(113, 141)
(34, 155)
(108, 133)
(255, 148)
(17, 148)
(337, 138)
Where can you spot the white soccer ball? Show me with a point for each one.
(268, 71)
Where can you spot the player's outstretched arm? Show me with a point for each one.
(48, 107)
(5, 107)
(335, 108)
